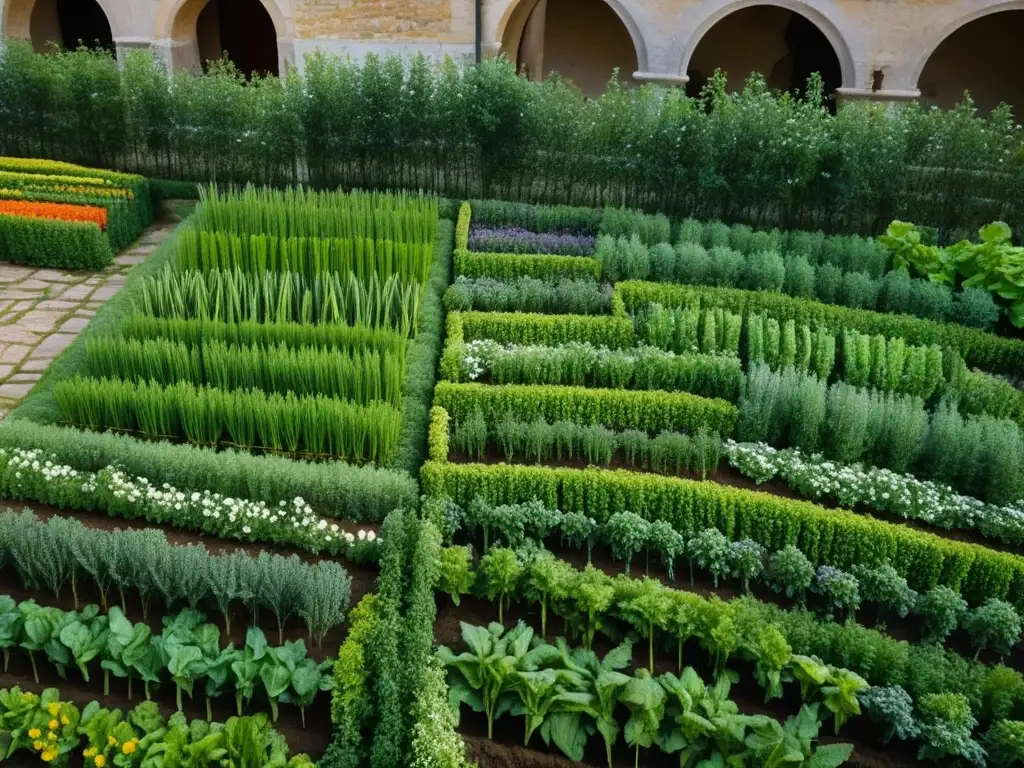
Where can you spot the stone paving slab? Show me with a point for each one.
(36, 325)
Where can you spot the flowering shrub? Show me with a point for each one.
(59, 211)
(881, 489)
(30, 474)
(518, 240)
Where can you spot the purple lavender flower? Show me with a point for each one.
(518, 240)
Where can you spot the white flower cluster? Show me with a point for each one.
(897, 494)
(30, 474)
(482, 355)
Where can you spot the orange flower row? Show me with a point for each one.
(54, 211)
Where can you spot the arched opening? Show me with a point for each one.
(984, 57)
(66, 24)
(581, 40)
(243, 30)
(783, 45)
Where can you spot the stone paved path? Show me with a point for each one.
(43, 310)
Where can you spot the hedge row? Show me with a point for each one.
(507, 266)
(548, 330)
(979, 349)
(833, 537)
(421, 362)
(333, 489)
(124, 219)
(650, 411)
(52, 243)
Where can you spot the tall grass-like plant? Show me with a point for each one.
(294, 335)
(203, 250)
(235, 296)
(308, 426)
(360, 376)
(303, 212)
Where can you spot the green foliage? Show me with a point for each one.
(51, 243)
(310, 426)
(351, 702)
(456, 572)
(623, 258)
(790, 572)
(627, 534)
(986, 351)
(360, 376)
(141, 735)
(993, 624)
(993, 264)
(365, 493)
(837, 537)
(547, 330)
(946, 725)
(940, 609)
(1004, 743)
(621, 222)
(527, 294)
(509, 266)
(617, 409)
(501, 571)
(422, 360)
(892, 708)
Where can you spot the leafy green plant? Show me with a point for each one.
(627, 534)
(946, 725)
(790, 572)
(501, 571)
(892, 708)
(457, 575)
(993, 624)
(941, 610)
(487, 670)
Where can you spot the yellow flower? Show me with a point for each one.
(34, 733)
(53, 725)
(53, 708)
(51, 736)
(129, 746)
(90, 752)
(111, 741)
(65, 720)
(100, 761)
(49, 755)
(37, 745)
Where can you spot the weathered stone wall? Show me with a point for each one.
(887, 40)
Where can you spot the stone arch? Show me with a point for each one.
(39, 22)
(176, 30)
(817, 12)
(515, 28)
(993, 70)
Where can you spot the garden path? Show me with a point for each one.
(43, 310)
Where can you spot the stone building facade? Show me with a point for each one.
(881, 49)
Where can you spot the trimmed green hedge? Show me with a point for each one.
(548, 330)
(979, 349)
(334, 489)
(648, 410)
(507, 266)
(827, 536)
(421, 361)
(53, 243)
